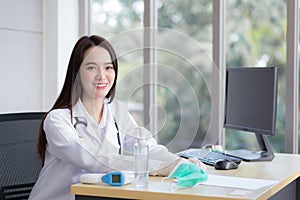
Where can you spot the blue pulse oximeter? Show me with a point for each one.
(114, 178)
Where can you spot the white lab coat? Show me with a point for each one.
(91, 148)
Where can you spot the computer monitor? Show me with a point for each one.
(250, 105)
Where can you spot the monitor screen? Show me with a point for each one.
(251, 99)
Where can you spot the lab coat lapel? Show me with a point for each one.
(110, 140)
(86, 137)
(110, 135)
(85, 132)
(106, 140)
(95, 133)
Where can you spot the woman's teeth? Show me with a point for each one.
(101, 84)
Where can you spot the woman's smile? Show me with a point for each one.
(100, 85)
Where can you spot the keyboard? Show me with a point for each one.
(207, 156)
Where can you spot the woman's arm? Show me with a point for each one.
(65, 144)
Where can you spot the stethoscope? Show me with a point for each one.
(78, 122)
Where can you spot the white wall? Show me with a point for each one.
(36, 38)
(21, 55)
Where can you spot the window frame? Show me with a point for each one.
(292, 78)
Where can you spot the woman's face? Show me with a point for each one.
(97, 73)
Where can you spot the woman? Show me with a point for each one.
(86, 131)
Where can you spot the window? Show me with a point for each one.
(188, 61)
(112, 19)
(184, 57)
(254, 37)
(257, 38)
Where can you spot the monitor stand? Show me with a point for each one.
(265, 153)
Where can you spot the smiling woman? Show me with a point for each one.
(87, 131)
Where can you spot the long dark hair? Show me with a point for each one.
(71, 90)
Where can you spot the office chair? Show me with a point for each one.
(19, 161)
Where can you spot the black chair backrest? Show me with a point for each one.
(19, 161)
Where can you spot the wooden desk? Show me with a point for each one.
(285, 168)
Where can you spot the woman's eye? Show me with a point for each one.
(91, 67)
(109, 67)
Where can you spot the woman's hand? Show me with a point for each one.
(198, 163)
(166, 169)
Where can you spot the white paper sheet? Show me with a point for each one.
(237, 182)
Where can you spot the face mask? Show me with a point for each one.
(188, 175)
